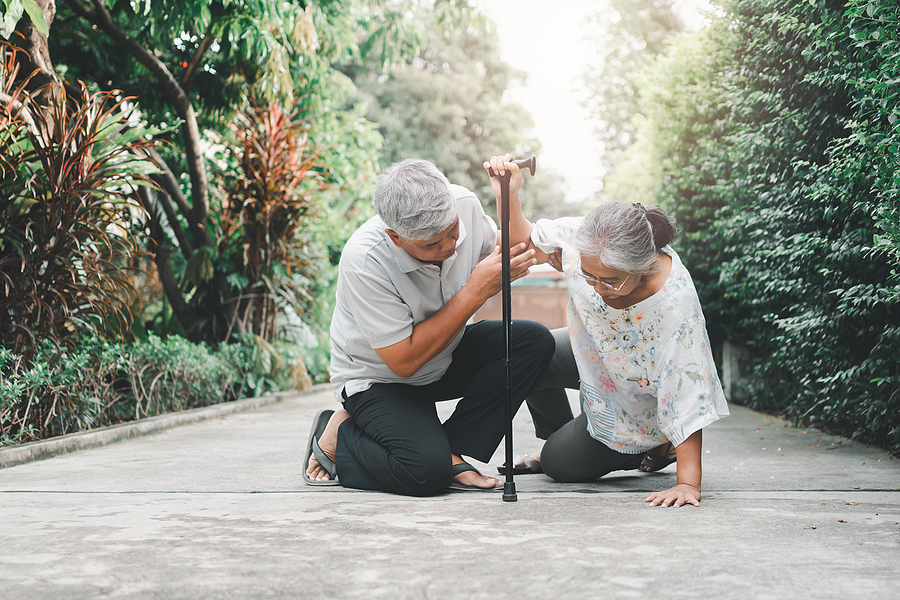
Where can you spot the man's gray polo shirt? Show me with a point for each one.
(383, 292)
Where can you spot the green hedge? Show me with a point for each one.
(98, 383)
(780, 146)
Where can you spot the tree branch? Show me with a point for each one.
(180, 102)
(194, 63)
(168, 182)
(35, 43)
(162, 200)
(162, 257)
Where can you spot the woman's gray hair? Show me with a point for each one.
(413, 198)
(627, 237)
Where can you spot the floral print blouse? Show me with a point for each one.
(647, 371)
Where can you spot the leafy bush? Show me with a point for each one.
(274, 366)
(264, 251)
(171, 375)
(815, 297)
(97, 383)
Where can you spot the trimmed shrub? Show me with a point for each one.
(96, 384)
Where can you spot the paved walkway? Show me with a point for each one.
(218, 509)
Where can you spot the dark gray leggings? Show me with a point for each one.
(570, 454)
(548, 402)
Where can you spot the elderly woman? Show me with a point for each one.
(636, 348)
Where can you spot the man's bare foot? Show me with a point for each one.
(472, 478)
(328, 443)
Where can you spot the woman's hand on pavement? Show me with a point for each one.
(679, 495)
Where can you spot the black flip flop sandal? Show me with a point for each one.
(312, 448)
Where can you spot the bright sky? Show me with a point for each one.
(545, 40)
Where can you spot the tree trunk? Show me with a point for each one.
(36, 59)
(35, 43)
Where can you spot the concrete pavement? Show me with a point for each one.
(218, 509)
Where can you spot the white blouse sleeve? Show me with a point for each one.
(548, 235)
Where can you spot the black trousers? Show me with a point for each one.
(395, 441)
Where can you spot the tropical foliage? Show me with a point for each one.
(266, 200)
(242, 255)
(195, 67)
(69, 209)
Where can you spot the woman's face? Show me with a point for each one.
(607, 282)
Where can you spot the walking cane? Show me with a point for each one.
(509, 486)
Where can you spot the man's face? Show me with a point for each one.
(433, 250)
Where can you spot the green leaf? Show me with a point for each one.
(199, 268)
(37, 16)
(11, 16)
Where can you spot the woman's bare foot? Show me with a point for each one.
(524, 465)
(472, 478)
(328, 443)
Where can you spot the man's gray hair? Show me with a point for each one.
(413, 198)
(625, 237)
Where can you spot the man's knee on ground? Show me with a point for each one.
(426, 475)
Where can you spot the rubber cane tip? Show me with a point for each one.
(509, 492)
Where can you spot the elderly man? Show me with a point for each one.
(409, 282)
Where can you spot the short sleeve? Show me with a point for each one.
(690, 394)
(379, 312)
(483, 227)
(489, 236)
(548, 235)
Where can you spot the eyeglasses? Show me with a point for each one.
(592, 281)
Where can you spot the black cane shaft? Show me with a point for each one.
(509, 488)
